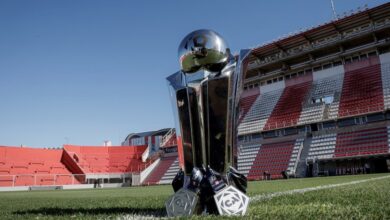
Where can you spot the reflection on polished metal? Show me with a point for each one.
(203, 49)
(231, 201)
(205, 97)
(182, 203)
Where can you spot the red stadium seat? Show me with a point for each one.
(288, 109)
(115, 159)
(363, 142)
(362, 88)
(247, 100)
(272, 158)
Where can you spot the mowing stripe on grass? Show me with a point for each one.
(260, 198)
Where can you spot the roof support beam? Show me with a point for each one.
(337, 29)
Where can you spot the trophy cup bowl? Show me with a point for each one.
(203, 49)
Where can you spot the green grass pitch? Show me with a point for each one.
(368, 200)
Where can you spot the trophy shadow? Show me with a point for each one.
(71, 212)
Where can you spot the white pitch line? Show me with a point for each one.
(259, 198)
(139, 217)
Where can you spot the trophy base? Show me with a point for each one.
(207, 192)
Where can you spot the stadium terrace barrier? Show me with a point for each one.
(41, 179)
(64, 187)
(14, 189)
(372, 108)
(111, 185)
(281, 124)
(79, 186)
(45, 188)
(361, 110)
(62, 181)
(107, 176)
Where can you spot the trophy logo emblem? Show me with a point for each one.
(182, 203)
(231, 201)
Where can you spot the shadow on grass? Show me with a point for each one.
(157, 212)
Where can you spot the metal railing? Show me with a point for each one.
(63, 179)
(282, 124)
(342, 114)
(167, 137)
(361, 110)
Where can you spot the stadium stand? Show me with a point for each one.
(161, 169)
(24, 166)
(32, 166)
(330, 87)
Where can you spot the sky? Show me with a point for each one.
(85, 71)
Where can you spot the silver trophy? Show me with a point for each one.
(205, 95)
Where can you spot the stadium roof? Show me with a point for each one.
(148, 133)
(315, 32)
